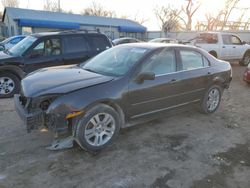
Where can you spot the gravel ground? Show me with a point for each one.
(186, 150)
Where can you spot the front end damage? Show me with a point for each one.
(35, 115)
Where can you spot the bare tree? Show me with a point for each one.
(135, 18)
(52, 5)
(189, 10)
(98, 10)
(168, 18)
(10, 3)
(230, 5)
(220, 21)
(138, 19)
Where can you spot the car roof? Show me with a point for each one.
(157, 45)
(124, 38)
(164, 39)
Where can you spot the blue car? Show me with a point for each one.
(11, 41)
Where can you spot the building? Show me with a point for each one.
(25, 21)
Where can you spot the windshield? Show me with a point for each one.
(116, 61)
(22, 46)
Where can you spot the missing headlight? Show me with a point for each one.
(45, 105)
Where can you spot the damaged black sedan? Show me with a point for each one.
(119, 87)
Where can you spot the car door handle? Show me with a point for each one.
(234, 46)
(209, 73)
(223, 46)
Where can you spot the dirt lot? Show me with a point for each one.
(186, 150)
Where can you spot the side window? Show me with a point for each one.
(205, 62)
(161, 63)
(226, 39)
(133, 41)
(235, 40)
(75, 44)
(48, 47)
(99, 43)
(192, 60)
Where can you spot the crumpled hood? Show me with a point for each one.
(59, 80)
(4, 56)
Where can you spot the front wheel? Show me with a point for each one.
(211, 99)
(97, 128)
(9, 85)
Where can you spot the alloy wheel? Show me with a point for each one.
(7, 85)
(99, 129)
(213, 99)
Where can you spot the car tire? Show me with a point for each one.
(211, 99)
(9, 85)
(97, 128)
(245, 60)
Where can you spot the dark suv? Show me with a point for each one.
(44, 50)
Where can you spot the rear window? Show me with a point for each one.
(75, 44)
(99, 43)
(209, 38)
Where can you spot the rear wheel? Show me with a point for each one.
(97, 128)
(9, 85)
(245, 60)
(211, 99)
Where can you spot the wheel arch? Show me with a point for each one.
(213, 53)
(13, 70)
(246, 52)
(218, 81)
(111, 104)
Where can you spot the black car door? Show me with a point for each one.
(195, 73)
(76, 49)
(164, 92)
(46, 52)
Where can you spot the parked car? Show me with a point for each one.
(246, 76)
(121, 86)
(164, 40)
(224, 46)
(10, 42)
(44, 50)
(125, 40)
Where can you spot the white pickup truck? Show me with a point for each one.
(224, 46)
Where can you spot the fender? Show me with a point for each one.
(84, 99)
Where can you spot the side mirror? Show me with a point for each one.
(243, 42)
(145, 76)
(2, 47)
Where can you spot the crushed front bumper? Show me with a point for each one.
(32, 120)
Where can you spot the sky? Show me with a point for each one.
(139, 8)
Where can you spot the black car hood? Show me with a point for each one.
(59, 80)
(4, 56)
